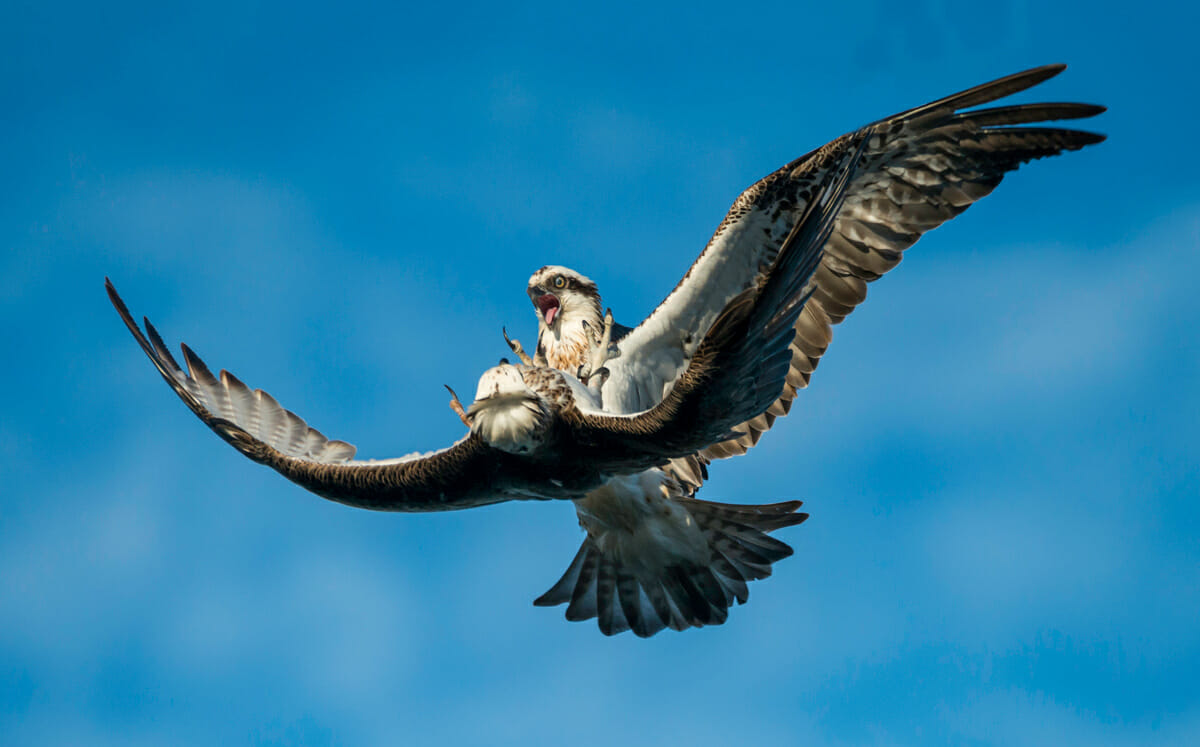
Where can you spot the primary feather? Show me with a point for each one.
(701, 378)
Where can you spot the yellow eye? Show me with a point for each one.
(560, 282)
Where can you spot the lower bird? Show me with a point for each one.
(625, 421)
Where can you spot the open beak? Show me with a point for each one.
(547, 306)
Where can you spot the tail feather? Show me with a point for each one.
(610, 617)
(563, 590)
(665, 614)
(680, 594)
(765, 517)
(713, 593)
(682, 587)
(632, 607)
(767, 546)
(583, 596)
(730, 577)
(751, 554)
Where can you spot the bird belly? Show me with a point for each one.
(634, 520)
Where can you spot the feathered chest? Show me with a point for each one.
(567, 355)
(568, 350)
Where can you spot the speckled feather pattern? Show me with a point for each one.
(727, 349)
(922, 168)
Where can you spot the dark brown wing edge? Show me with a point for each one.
(743, 360)
(976, 149)
(466, 475)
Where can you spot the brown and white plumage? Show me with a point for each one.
(930, 164)
(701, 378)
(535, 433)
(569, 315)
(918, 169)
(655, 558)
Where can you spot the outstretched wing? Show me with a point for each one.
(932, 163)
(742, 361)
(923, 167)
(466, 475)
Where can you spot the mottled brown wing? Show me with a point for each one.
(465, 475)
(926, 166)
(743, 360)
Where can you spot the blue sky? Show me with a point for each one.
(342, 206)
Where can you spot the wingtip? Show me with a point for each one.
(123, 312)
(1083, 138)
(987, 92)
(1065, 110)
(1037, 75)
(196, 366)
(1043, 72)
(113, 296)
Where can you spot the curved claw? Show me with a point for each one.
(457, 406)
(599, 354)
(515, 346)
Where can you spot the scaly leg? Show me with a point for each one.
(515, 346)
(599, 354)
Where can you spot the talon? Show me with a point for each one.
(457, 406)
(599, 354)
(518, 350)
(539, 354)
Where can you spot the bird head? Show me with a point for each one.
(561, 295)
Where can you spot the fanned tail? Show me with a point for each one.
(625, 595)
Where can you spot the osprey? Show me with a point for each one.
(624, 421)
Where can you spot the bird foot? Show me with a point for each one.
(515, 346)
(595, 382)
(598, 355)
(457, 406)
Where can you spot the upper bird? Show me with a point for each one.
(624, 421)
